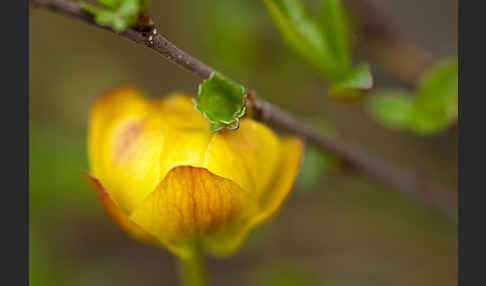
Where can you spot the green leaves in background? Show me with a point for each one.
(302, 34)
(316, 165)
(432, 109)
(221, 101)
(336, 30)
(353, 84)
(435, 107)
(117, 14)
(391, 107)
(322, 43)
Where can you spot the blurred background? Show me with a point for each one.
(337, 228)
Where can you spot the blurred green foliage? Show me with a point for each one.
(117, 14)
(436, 103)
(391, 107)
(354, 83)
(431, 110)
(323, 43)
(57, 163)
(336, 30)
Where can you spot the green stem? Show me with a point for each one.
(193, 271)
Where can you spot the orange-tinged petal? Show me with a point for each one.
(267, 203)
(117, 215)
(123, 102)
(124, 144)
(183, 147)
(189, 204)
(186, 132)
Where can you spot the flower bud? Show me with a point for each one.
(167, 180)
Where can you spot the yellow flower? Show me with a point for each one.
(166, 179)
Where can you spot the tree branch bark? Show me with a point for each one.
(434, 195)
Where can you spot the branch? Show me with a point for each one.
(434, 195)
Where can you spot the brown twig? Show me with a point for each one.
(432, 194)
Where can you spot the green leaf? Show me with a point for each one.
(221, 101)
(323, 44)
(130, 8)
(336, 30)
(353, 84)
(112, 4)
(302, 34)
(391, 107)
(431, 110)
(435, 107)
(114, 20)
(117, 14)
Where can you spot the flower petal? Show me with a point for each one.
(117, 215)
(248, 156)
(178, 112)
(191, 203)
(124, 144)
(187, 133)
(183, 147)
(281, 185)
(268, 201)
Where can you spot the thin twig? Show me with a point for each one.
(434, 195)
